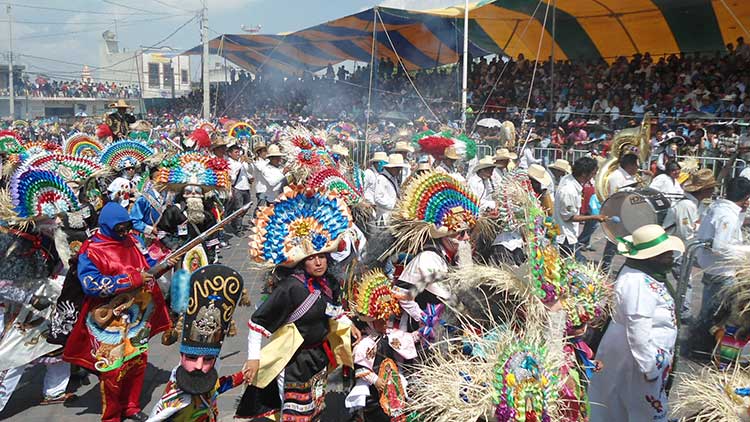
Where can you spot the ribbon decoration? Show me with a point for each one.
(742, 391)
(583, 352)
(632, 248)
(430, 319)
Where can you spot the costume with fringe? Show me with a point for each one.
(302, 312)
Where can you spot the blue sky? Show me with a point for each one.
(45, 38)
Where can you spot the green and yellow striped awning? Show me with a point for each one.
(583, 30)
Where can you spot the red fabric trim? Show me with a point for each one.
(258, 329)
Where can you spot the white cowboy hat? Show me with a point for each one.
(562, 165)
(649, 241)
(379, 156)
(503, 154)
(340, 150)
(396, 161)
(484, 163)
(539, 174)
(274, 151)
(402, 146)
(450, 153)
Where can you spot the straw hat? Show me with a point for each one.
(379, 156)
(484, 163)
(703, 179)
(340, 150)
(396, 161)
(451, 154)
(274, 151)
(402, 146)
(562, 165)
(649, 241)
(218, 141)
(120, 104)
(259, 146)
(504, 154)
(539, 174)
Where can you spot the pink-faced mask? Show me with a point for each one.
(201, 363)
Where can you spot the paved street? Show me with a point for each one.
(24, 403)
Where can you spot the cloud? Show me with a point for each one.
(420, 4)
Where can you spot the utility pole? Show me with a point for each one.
(464, 84)
(206, 80)
(10, 67)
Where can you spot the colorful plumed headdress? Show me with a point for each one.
(10, 142)
(34, 193)
(435, 144)
(302, 222)
(433, 205)
(544, 260)
(241, 130)
(194, 168)
(103, 131)
(123, 154)
(586, 293)
(69, 167)
(306, 154)
(331, 179)
(83, 145)
(215, 292)
(342, 131)
(371, 296)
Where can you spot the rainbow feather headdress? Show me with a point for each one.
(83, 145)
(69, 167)
(36, 193)
(122, 154)
(241, 130)
(371, 296)
(194, 168)
(302, 222)
(433, 205)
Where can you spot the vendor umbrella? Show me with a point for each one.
(489, 123)
(394, 115)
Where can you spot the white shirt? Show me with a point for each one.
(682, 219)
(722, 225)
(527, 158)
(370, 184)
(426, 269)
(450, 172)
(239, 174)
(273, 179)
(568, 204)
(619, 179)
(386, 195)
(665, 184)
(483, 189)
(745, 173)
(255, 170)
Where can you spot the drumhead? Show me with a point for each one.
(630, 210)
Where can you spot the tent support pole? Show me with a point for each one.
(464, 85)
(369, 91)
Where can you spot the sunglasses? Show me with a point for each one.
(195, 190)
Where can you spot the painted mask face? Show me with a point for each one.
(197, 362)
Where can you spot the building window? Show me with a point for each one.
(153, 75)
(168, 74)
(184, 77)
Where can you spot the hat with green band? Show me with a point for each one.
(647, 242)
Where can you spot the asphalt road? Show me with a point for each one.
(24, 404)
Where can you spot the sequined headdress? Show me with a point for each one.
(122, 154)
(194, 168)
(302, 222)
(433, 205)
(34, 193)
(215, 292)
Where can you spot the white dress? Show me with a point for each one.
(638, 345)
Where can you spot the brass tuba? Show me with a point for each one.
(635, 140)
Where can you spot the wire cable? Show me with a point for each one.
(90, 12)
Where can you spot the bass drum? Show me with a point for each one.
(632, 209)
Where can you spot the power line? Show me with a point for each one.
(125, 6)
(163, 3)
(99, 22)
(90, 12)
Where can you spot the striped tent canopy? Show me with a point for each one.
(584, 30)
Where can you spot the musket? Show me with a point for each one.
(162, 267)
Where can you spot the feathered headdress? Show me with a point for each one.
(435, 144)
(241, 130)
(306, 154)
(10, 142)
(36, 193)
(122, 154)
(371, 296)
(69, 167)
(194, 168)
(302, 222)
(433, 205)
(83, 145)
(103, 131)
(711, 395)
(202, 138)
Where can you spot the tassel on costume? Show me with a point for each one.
(245, 299)
(232, 329)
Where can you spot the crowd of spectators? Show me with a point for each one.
(45, 87)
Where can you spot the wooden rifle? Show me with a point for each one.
(163, 266)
